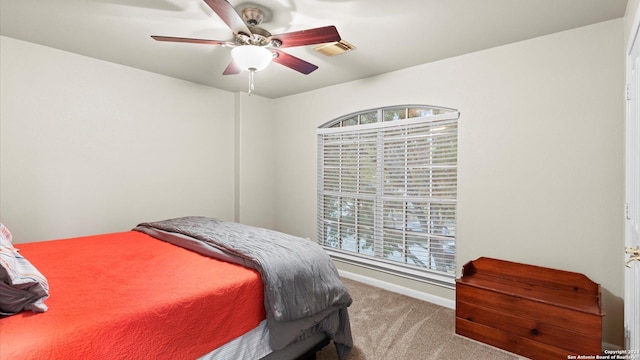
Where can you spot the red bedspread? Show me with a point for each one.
(130, 296)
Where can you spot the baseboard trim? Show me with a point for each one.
(451, 304)
(612, 347)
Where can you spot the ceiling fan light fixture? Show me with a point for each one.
(251, 57)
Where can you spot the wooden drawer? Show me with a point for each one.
(536, 312)
(507, 341)
(574, 339)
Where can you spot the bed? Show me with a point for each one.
(186, 288)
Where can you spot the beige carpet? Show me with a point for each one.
(389, 326)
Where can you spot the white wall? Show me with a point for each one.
(540, 152)
(629, 18)
(254, 160)
(88, 146)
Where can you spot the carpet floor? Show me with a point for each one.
(389, 326)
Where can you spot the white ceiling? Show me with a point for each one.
(389, 35)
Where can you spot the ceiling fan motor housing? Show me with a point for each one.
(254, 14)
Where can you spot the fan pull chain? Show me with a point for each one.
(252, 71)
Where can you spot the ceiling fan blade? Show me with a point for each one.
(187, 40)
(232, 69)
(294, 63)
(229, 15)
(321, 35)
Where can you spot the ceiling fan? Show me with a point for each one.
(254, 47)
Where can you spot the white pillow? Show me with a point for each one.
(22, 286)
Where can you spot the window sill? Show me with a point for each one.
(408, 272)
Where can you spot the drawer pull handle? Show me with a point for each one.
(535, 332)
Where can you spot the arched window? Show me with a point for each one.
(387, 190)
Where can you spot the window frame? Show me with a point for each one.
(359, 123)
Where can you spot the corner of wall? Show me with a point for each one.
(237, 117)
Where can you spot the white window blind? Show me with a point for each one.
(387, 190)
